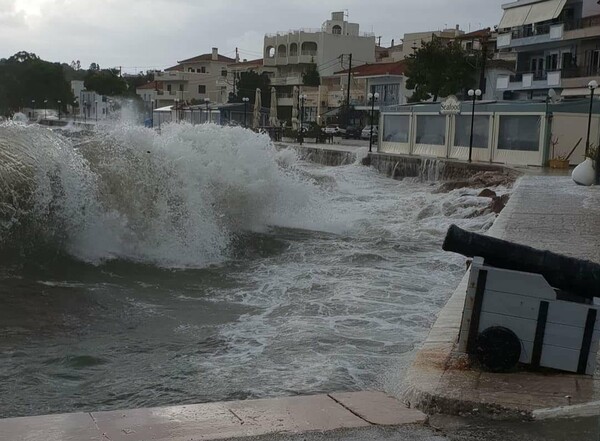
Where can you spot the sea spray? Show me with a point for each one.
(174, 199)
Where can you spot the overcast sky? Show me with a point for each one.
(149, 34)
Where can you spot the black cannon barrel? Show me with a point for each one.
(580, 277)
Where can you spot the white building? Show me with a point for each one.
(293, 51)
(90, 104)
(193, 80)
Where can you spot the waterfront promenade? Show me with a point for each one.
(545, 212)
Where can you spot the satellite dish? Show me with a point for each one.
(553, 96)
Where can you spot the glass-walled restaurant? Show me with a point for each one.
(508, 133)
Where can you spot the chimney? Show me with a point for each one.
(215, 54)
(392, 43)
(458, 27)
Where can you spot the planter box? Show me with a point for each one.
(559, 163)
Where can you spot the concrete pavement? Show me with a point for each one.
(217, 421)
(546, 212)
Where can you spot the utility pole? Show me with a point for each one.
(348, 91)
(379, 41)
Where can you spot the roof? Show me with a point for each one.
(152, 85)
(371, 70)
(174, 68)
(257, 62)
(481, 33)
(208, 57)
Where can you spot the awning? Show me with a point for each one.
(545, 11)
(531, 13)
(576, 91)
(514, 17)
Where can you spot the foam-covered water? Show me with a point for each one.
(202, 264)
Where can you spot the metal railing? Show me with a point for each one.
(582, 23)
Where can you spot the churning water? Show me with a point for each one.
(202, 264)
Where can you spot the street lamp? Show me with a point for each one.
(96, 110)
(474, 94)
(302, 100)
(84, 111)
(592, 85)
(176, 110)
(372, 98)
(33, 111)
(59, 109)
(245, 100)
(73, 109)
(208, 116)
(45, 105)
(152, 112)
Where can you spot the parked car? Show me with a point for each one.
(353, 132)
(334, 129)
(366, 132)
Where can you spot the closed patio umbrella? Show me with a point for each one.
(257, 106)
(295, 122)
(273, 121)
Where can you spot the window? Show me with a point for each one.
(396, 128)
(224, 73)
(203, 69)
(168, 87)
(519, 132)
(190, 69)
(201, 88)
(337, 29)
(481, 131)
(431, 129)
(181, 87)
(552, 61)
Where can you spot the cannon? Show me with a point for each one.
(526, 305)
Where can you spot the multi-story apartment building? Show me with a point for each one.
(193, 80)
(557, 46)
(328, 48)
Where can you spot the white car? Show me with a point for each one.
(334, 129)
(366, 132)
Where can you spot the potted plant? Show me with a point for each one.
(585, 173)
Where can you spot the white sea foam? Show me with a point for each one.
(174, 199)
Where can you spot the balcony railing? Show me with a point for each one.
(531, 31)
(537, 76)
(587, 22)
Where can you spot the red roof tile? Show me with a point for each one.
(208, 57)
(154, 85)
(174, 68)
(369, 70)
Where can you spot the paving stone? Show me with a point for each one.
(65, 427)
(378, 408)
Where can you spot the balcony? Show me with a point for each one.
(530, 80)
(294, 80)
(530, 35)
(583, 28)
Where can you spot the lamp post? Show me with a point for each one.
(152, 112)
(208, 116)
(245, 100)
(372, 98)
(59, 109)
(96, 112)
(473, 94)
(84, 111)
(176, 110)
(302, 101)
(33, 109)
(45, 106)
(592, 85)
(74, 106)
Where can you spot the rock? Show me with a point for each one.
(499, 202)
(487, 193)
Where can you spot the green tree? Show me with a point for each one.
(25, 77)
(311, 77)
(247, 85)
(438, 69)
(105, 82)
